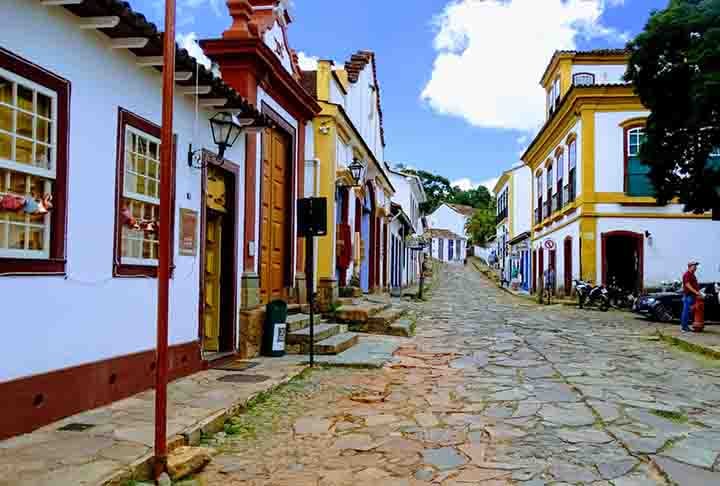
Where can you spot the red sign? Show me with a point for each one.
(549, 244)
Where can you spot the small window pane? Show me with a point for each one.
(42, 155)
(6, 91)
(25, 98)
(17, 237)
(18, 183)
(37, 187)
(153, 151)
(130, 182)
(24, 124)
(6, 118)
(140, 165)
(3, 233)
(44, 107)
(43, 131)
(140, 185)
(152, 168)
(5, 146)
(36, 238)
(23, 151)
(152, 188)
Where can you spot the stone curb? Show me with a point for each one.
(141, 468)
(689, 345)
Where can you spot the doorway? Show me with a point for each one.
(622, 257)
(218, 271)
(567, 255)
(275, 216)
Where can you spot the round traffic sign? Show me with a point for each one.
(549, 244)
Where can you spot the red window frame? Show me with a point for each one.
(125, 119)
(57, 259)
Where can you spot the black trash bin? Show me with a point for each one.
(275, 328)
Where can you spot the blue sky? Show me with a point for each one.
(459, 78)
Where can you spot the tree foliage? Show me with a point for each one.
(477, 198)
(481, 226)
(675, 68)
(439, 190)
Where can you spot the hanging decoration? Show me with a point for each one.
(26, 204)
(129, 221)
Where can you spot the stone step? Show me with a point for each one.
(322, 331)
(335, 344)
(386, 317)
(402, 327)
(295, 322)
(359, 312)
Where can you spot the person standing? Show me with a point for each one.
(691, 290)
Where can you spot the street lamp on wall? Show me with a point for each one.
(356, 169)
(225, 128)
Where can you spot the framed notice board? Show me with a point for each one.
(188, 232)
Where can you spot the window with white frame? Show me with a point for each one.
(141, 196)
(138, 198)
(28, 138)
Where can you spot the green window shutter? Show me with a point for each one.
(638, 183)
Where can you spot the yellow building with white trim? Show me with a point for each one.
(593, 213)
(349, 128)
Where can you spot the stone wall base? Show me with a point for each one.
(327, 293)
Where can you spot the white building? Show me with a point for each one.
(513, 202)
(594, 214)
(451, 243)
(406, 221)
(79, 282)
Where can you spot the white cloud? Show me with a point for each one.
(465, 183)
(307, 63)
(491, 54)
(189, 42)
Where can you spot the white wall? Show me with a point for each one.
(362, 110)
(273, 35)
(604, 73)
(89, 315)
(336, 94)
(609, 149)
(521, 209)
(573, 231)
(444, 217)
(673, 243)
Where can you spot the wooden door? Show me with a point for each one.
(541, 269)
(213, 256)
(275, 216)
(553, 264)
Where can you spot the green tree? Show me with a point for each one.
(675, 69)
(437, 189)
(477, 198)
(481, 226)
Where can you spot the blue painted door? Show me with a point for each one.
(451, 246)
(365, 264)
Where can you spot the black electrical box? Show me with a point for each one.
(312, 216)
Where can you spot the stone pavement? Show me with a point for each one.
(120, 438)
(707, 342)
(494, 390)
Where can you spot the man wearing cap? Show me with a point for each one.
(691, 290)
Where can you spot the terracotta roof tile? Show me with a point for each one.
(354, 67)
(442, 233)
(462, 209)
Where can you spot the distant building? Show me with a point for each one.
(446, 246)
(513, 203)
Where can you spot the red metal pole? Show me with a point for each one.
(166, 173)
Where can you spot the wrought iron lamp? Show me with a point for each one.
(356, 169)
(226, 128)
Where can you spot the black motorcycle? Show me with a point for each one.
(619, 297)
(589, 295)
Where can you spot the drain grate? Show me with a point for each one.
(236, 366)
(243, 378)
(76, 427)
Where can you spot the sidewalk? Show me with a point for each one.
(706, 342)
(113, 444)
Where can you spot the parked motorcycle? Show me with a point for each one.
(589, 295)
(619, 297)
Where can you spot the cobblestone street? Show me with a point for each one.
(493, 390)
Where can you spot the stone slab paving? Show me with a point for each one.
(496, 390)
(121, 437)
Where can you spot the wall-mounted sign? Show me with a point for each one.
(188, 232)
(549, 244)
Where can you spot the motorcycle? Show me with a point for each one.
(592, 295)
(619, 297)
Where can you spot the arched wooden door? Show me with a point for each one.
(568, 263)
(275, 216)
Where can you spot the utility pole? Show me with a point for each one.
(163, 278)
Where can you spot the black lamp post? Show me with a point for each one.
(226, 128)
